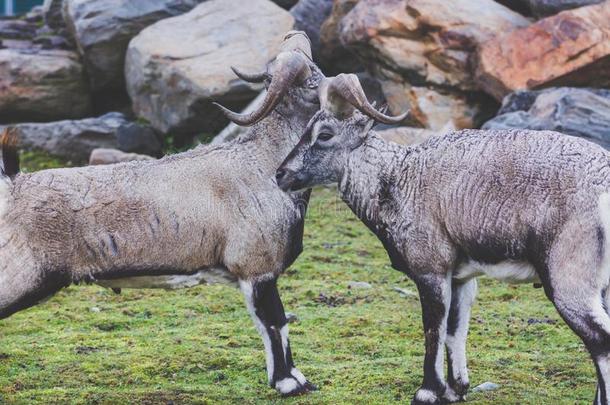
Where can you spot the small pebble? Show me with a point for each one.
(359, 285)
(486, 386)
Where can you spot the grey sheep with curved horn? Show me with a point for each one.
(518, 205)
(212, 209)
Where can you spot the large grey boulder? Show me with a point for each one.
(102, 30)
(574, 111)
(42, 85)
(75, 140)
(178, 66)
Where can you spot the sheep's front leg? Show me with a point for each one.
(265, 306)
(435, 299)
(462, 297)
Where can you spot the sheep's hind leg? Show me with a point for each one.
(583, 311)
(462, 297)
(265, 306)
(577, 293)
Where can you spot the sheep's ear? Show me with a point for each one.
(367, 127)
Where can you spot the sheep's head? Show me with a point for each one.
(291, 73)
(341, 125)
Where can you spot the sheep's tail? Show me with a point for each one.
(10, 156)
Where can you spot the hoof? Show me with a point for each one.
(290, 387)
(450, 396)
(429, 397)
(310, 386)
(426, 397)
(460, 389)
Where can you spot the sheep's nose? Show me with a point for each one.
(279, 175)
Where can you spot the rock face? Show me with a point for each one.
(104, 156)
(334, 56)
(75, 140)
(568, 49)
(102, 30)
(178, 66)
(42, 85)
(431, 108)
(309, 16)
(573, 111)
(426, 41)
(422, 51)
(16, 29)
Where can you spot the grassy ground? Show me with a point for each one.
(89, 346)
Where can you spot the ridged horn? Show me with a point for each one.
(296, 41)
(250, 77)
(346, 88)
(290, 67)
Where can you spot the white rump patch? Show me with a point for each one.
(5, 195)
(509, 271)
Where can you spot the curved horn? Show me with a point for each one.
(250, 77)
(290, 67)
(348, 88)
(297, 41)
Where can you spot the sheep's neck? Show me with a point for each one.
(270, 141)
(370, 176)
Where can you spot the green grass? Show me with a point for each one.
(198, 346)
(32, 161)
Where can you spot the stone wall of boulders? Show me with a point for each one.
(78, 75)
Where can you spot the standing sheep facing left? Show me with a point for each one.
(519, 206)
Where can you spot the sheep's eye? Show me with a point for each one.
(325, 136)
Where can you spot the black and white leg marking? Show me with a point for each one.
(462, 297)
(265, 307)
(435, 299)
